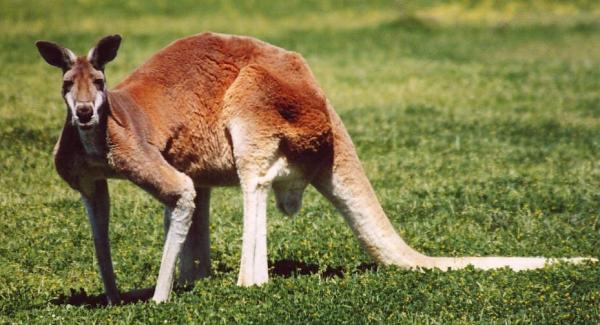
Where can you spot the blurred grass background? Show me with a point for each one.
(478, 123)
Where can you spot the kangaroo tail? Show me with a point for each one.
(344, 184)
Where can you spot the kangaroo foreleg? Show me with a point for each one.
(97, 203)
(179, 224)
(149, 170)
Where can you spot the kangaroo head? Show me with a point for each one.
(83, 88)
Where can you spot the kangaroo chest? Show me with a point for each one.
(93, 142)
(95, 151)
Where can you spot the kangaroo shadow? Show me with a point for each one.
(287, 268)
(81, 298)
(281, 268)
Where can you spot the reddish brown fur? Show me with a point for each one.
(169, 107)
(82, 74)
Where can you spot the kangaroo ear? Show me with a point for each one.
(104, 52)
(56, 55)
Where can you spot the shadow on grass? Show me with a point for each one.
(281, 268)
(81, 298)
(288, 268)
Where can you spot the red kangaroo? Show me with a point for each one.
(218, 110)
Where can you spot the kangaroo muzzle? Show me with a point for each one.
(84, 112)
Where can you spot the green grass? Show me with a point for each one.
(478, 125)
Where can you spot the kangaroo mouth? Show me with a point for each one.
(87, 125)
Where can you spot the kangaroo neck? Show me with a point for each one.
(93, 141)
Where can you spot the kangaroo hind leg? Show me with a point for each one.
(258, 165)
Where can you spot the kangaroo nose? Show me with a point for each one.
(84, 113)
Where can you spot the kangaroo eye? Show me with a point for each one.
(99, 83)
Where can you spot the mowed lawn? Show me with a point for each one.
(477, 124)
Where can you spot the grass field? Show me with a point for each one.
(478, 125)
